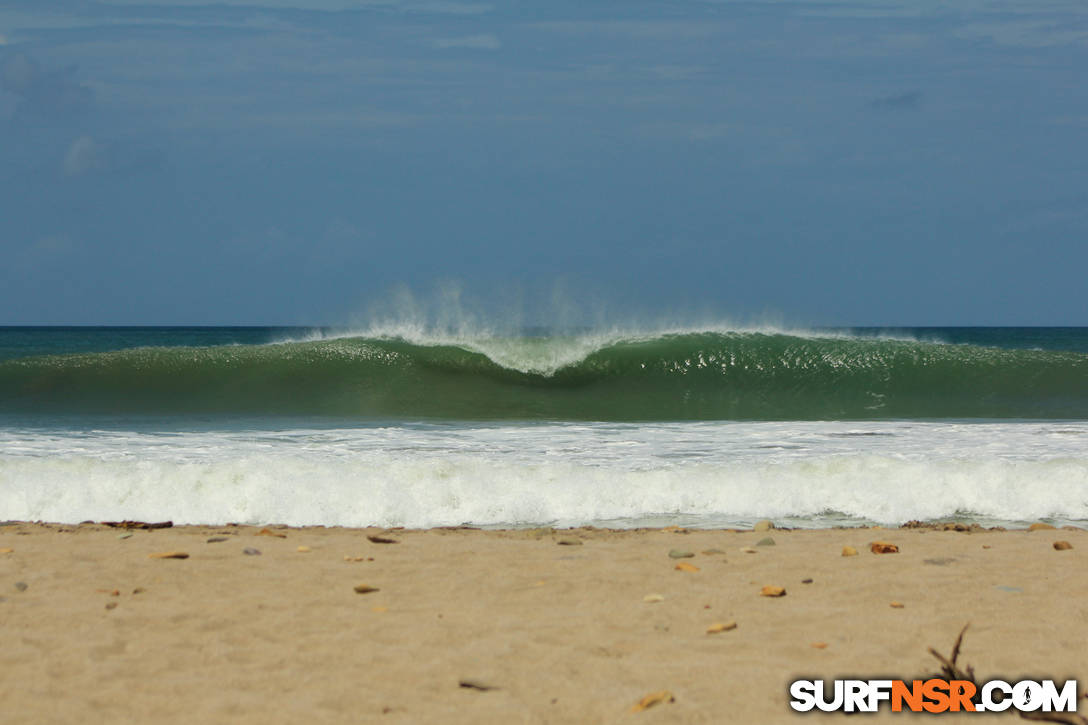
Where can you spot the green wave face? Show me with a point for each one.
(701, 376)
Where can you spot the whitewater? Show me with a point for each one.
(618, 475)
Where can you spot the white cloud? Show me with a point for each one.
(475, 42)
(84, 155)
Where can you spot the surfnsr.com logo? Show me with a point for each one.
(933, 695)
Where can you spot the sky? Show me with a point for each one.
(888, 162)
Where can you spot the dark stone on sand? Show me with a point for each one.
(471, 683)
(681, 554)
(766, 541)
(21, 586)
(569, 542)
(217, 539)
(138, 524)
(250, 551)
(806, 581)
(939, 561)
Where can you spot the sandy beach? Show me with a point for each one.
(556, 626)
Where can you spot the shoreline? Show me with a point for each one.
(567, 625)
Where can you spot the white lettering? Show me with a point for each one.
(803, 693)
(1027, 696)
(836, 702)
(855, 696)
(879, 691)
(988, 696)
(1064, 701)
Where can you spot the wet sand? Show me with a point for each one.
(96, 631)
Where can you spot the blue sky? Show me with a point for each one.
(287, 162)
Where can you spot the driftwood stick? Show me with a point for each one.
(950, 670)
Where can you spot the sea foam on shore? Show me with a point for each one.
(694, 474)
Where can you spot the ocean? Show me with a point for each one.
(405, 426)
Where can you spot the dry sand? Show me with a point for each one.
(562, 632)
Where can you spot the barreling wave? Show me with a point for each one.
(682, 376)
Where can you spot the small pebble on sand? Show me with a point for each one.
(365, 589)
(1062, 545)
(896, 605)
(883, 547)
(654, 698)
(680, 554)
(684, 566)
(719, 627)
(250, 551)
(772, 591)
(767, 541)
(653, 598)
(168, 555)
(849, 551)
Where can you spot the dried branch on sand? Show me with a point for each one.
(950, 670)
